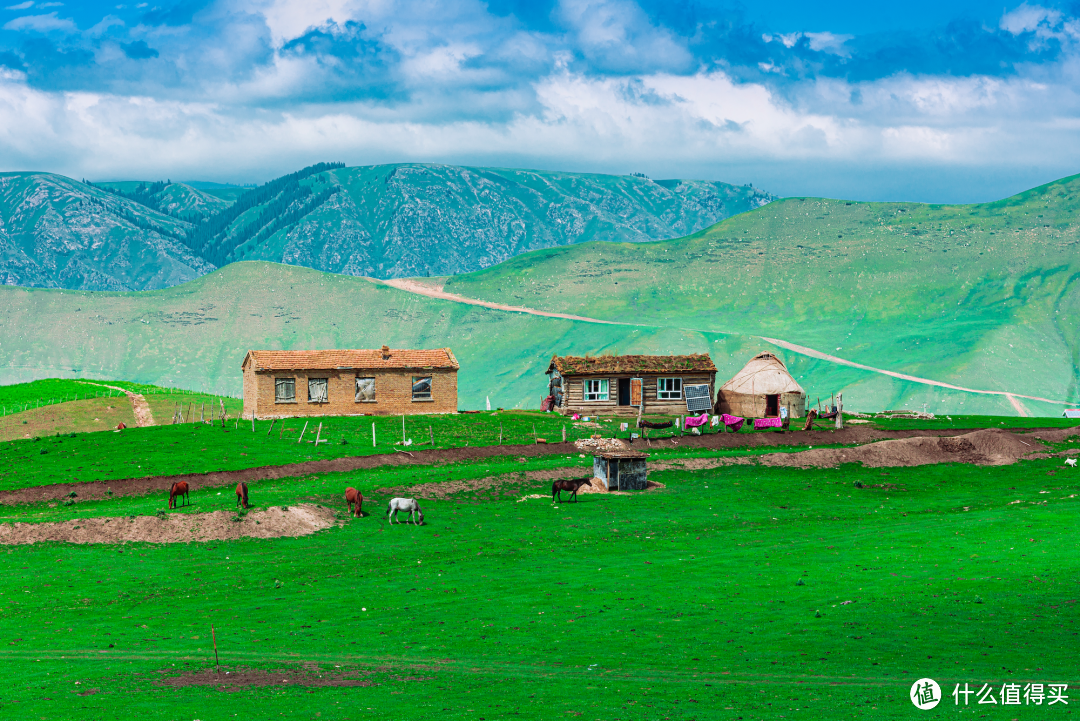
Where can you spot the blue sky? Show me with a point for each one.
(932, 101)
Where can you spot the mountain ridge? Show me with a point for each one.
(379, 221)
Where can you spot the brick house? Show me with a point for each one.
(621, 385)
(282, 383)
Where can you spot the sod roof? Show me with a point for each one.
(385, 358)
(597, 365)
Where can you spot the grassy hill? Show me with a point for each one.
(983, 296)
(195, 336)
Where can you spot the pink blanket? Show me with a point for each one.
(696, 421)
(760, 423)
(732, 422)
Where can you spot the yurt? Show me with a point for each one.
(761, 389)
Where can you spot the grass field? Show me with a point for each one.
(20, 397)
(679, 603)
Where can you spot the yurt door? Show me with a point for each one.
(772, 406)
(624, 391)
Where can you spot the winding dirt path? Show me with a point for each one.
(413, 286)
(143, 416)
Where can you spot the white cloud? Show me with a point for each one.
(42, 24)
(21, 6)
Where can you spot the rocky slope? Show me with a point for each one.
(56, 232)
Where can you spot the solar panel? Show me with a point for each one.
(697, 398)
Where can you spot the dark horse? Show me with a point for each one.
(571, 485)
(241, 495)
(180, 488)
(354, 499)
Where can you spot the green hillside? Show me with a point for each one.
(177, 199)
(195, 336)
(983, 296)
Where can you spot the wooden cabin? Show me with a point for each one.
(386, 381)
(628, 384)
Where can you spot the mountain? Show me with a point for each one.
(393, 221)
(56, 232)
(384, 221)
(179, 200)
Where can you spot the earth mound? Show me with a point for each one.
(989, 447)
(273, 522)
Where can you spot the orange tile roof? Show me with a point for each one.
(280, 360)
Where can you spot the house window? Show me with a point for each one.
(596, 389)
(421, 388)
(669, 389)
(365, 390)
(317, 391)
(284, 390)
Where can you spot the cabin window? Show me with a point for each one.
(284, 390)
(365, 390)
(596, 389)
(317, 390)
(669, 389)
(421, 388)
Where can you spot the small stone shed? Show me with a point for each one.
(761, 389)
(621, 470)
(386, 381)
(620, 384)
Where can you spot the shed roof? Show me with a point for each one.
(385, 358)
(596, 365)
(765, 374)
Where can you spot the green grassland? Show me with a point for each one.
(201, 448)
(743, 591)
(47, 391)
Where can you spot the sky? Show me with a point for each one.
(947, 101)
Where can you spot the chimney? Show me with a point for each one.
(386, 352)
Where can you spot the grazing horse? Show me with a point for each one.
(568, 485)
(354, 499)
(180, 488)
(241, 495)
(405, 505)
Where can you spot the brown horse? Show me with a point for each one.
(354, 499)
(571, 485)
(241, 495)
(180, 488)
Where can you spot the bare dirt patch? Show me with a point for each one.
(233, 679)
(504, 483)
(990, 447)
(141, 409)
(273, 522)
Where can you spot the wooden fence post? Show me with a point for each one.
(302, 432)
(432, 432)
(500, 433)
(253, 421)
(402, 429)
(272, 422)
(318, 435)
(373, 435)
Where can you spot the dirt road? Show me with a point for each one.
(141, 486)
(143, 416)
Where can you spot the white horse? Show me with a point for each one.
(405, 505)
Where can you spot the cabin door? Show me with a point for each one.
(624, 391)
(772, 406)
